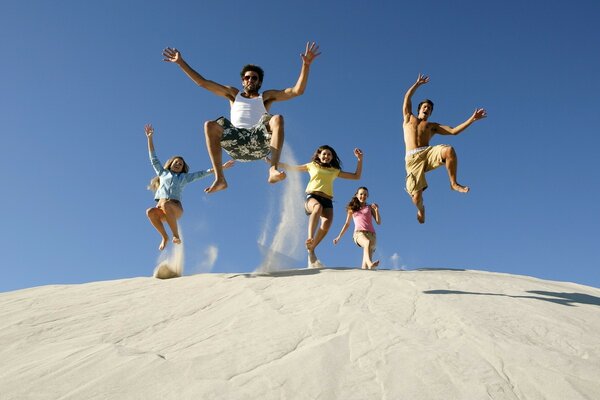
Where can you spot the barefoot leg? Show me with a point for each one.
(451, 161)
(326, 220)
(173, 212)
(277, 137)
(156, 216)
(213, 133)
(315, 209)
(364, 242)
(417, 200)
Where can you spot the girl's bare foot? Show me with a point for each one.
(374, 265)
(275, 175)
(459, 188)
(163, 243)
(176, 240)
(218, 184)
(312, 257)
(309, 244)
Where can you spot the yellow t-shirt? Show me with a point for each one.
(321, 179)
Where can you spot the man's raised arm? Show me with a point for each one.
(174, 56)
(407, 107)
(311, 52)
(478, 114)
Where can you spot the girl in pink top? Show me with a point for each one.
(364, 233)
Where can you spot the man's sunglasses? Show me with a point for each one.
(250, 78)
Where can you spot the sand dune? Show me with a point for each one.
(311, 334)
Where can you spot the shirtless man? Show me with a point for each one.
(420, 156)
(252, 132)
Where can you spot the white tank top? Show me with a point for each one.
(245, 113)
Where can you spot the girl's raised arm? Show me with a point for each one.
(375, 212)
(149, 133)
(356, 175)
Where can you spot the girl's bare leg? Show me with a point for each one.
(315, 209)
(326, 220)
(367, 262)
(156, 216)
(173, 212)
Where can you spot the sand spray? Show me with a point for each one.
(284, 247)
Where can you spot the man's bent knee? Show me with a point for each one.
(212, 128)
(448, 153)
(276, 121)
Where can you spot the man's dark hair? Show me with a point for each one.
(253, 68)
(423, 102)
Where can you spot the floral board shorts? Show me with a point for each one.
(246, 144)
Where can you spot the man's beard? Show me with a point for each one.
(252, 89)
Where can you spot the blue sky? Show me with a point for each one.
(80, 80)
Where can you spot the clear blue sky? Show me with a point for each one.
(80, 79)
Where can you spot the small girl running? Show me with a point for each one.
(323, 169)
(167, 187)
(364, 233)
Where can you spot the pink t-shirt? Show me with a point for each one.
(363, 219)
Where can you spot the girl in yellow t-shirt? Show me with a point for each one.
(323, 169)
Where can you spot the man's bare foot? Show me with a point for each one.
(176, 240)
(459, 188)
(218, 184)
(421, 215)
(163, 243)
(275, 175)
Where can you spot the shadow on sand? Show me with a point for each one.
(282, 273)
(565, 299)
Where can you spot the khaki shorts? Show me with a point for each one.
(417, 164)
(246, 144)
(369, 235)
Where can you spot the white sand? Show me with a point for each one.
(314, 334)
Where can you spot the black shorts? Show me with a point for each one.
(323, 201)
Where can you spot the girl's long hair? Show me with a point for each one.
(354, 205)
(335, 160)
(155, 182)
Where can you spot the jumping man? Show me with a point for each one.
(420, 156)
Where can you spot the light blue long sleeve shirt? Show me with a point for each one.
(172, 184)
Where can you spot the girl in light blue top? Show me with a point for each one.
(167, 186)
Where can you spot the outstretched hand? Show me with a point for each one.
(171, 55)
(358, 154)
(149, 130)
(311, 52)
(479, 114)
(228, 164)
(422, 79)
